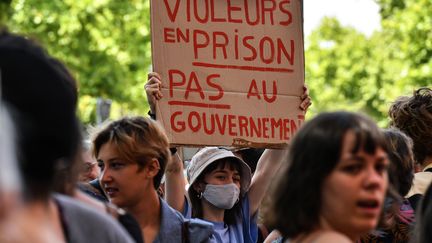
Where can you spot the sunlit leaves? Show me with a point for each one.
(347, 70)
(105, 43)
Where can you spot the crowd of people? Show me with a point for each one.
(341, 179)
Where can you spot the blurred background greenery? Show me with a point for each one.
(106, 44)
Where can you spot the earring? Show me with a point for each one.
(200, 195)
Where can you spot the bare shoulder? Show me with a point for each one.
(330, 236)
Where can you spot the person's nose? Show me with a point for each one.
(375, 180)
(105, 176)
(232, 180)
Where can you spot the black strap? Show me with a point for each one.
(173, 150)
(185, 232)
(152, 115)
(414, 200)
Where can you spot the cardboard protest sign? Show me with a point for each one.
(232, 70)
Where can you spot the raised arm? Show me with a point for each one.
(174, 178)
(267, 166)
(153, 90)
(306, 100)
(175, 183)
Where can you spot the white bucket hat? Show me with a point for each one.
(206, 156)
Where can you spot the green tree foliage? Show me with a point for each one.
(408, 28)
(105, 43)
(4, 10)
(348, 70)
(337, 58)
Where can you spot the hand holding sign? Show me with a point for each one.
(305, 98)
(153, 90)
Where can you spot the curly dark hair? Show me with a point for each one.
(413, 116)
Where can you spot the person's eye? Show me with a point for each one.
(117, 165)
(381, 167)
(87, 166)
(352, 169)
(221, 177)
(236, 179)
(101, 165)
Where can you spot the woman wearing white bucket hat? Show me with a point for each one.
(222, 190)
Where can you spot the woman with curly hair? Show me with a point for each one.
(413, 116)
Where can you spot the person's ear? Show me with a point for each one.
(152, 168)
(198, 186)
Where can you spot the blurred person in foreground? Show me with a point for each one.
(333, 187)
(42, 96)
(398, 218)
(10, 187)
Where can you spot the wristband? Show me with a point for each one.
(173, 150)
(152, 115)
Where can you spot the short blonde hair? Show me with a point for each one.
(138, 139)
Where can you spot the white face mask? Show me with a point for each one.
(222, 196)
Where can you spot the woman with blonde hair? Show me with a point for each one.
(132, 153)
